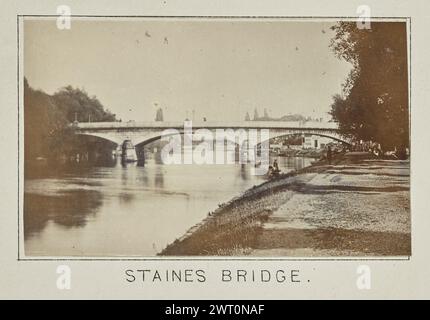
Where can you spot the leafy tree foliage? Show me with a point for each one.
(374, 103)
(46, 122)
(74, 101)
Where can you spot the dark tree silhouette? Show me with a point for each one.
(74, 101)
(374, 103)
(247, 117)
(46, 122)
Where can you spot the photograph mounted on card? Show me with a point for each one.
(222, 137)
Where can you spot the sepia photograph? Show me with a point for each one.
(215, 137)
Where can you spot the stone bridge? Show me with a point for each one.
(141, 133)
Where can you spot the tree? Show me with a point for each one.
(293, 117)
(71, 101)
(159, 115)
(47, 118)
(256, 114)
(42, 122)
(247, 118)
(266, 115)
(374, 102)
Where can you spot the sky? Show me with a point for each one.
(219, 68)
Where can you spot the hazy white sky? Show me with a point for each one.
(219, 68)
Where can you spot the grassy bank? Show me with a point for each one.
(233, 228)
(358, 205)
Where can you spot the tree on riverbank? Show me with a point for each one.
(374, 103)
(74, 101)
(42, 121)
(46, 120)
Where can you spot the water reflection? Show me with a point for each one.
(244, 173)
(70, 209)
(127, 210)
(159, 177)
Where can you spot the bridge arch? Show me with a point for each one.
(147, 140)
(142, 134)
(334, 136)
(101, 136)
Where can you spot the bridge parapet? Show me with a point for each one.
(146, 132)
(208, 124)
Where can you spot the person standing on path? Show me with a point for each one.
(329, 155)
(275, 165)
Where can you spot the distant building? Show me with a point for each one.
(276, 147)
(315, 142)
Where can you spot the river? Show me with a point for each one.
(127, 211)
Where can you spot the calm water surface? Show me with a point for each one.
(127, 211)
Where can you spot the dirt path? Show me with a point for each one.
(353, 208)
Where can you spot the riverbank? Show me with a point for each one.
(357, 206)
